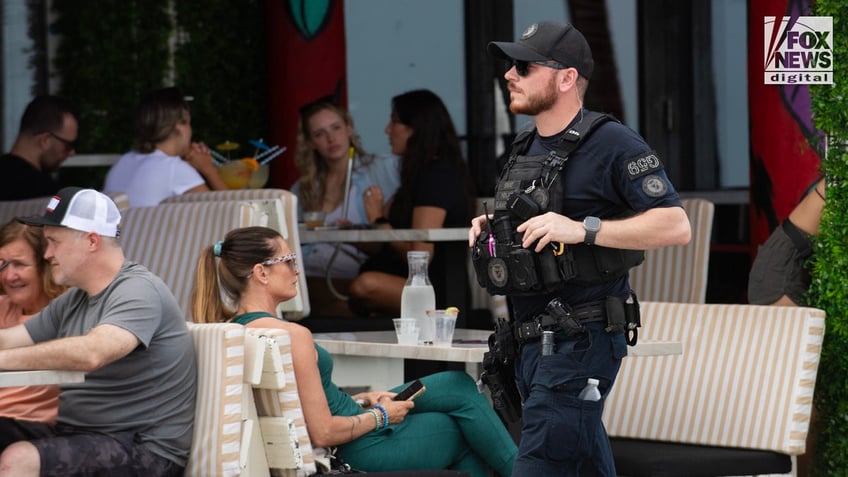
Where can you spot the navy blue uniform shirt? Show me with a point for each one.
(613, 173)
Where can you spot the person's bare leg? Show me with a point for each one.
(377, 292)
(784, 301)
(322, 302)
(20, 459)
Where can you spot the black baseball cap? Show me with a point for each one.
(86, 210)
(545, 41)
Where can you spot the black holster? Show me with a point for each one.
(499, 371)
(624, 317)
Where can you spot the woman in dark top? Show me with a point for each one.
(436, 191)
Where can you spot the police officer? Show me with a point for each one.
(611, 194)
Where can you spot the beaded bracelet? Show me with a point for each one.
(377, 417)
(385, 415)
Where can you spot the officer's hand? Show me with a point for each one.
(477, 224)
(551, 227)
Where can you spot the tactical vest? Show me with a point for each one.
(530, 186)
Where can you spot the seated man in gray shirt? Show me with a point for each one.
(120, 324)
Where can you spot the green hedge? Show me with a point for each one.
(112, 52)
(830, 269)
(107, 57)
(221, 61)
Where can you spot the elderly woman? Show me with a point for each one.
(451, 425)
(27, 286)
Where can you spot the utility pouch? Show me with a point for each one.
(633, 318)
(504, 267)
(501, 264)
(522, 206)
(499, 371)
(596, 264)
(616, 319)
(566, 264)
(549, 270)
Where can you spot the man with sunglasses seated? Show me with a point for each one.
(580, 195)
(46, 138)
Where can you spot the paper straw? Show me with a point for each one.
(276, 153)
(267, 152)
(347, 183)
(259, 144)
(217, 157)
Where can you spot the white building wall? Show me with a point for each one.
(18, 77)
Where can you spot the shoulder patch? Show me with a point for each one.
(644, 164)
(654, 186)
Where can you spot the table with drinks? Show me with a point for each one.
(418, 294)
(375, 358)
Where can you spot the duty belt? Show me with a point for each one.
(584, 313)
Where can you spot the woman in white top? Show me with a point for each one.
(164, 162)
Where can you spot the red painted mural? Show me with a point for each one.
(785, 146)
(306, 61)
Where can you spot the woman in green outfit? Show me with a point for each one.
(451, 426)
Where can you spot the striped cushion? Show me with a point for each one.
(745, 378)
(217, 425)
(9, 209)
(286, 402)
(168, 238)
(236, 194)
(278, 207)
(679, 273)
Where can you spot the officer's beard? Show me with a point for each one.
(538, 103)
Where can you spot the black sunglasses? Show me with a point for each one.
(523, 67)
(69, 145)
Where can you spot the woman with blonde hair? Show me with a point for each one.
(328, 149)
(27, 285)
(243, 278)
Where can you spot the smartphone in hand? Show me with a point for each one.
(411, 392)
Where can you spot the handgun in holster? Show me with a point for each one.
(499, 371)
